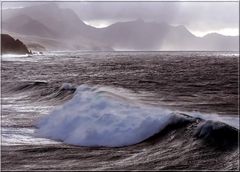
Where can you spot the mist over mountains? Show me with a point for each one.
(57, 28)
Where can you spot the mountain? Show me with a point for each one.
(140, 35)
(64, 22)
(220, 42)
(23, 24)
(11, 46)
(52, 27)
(57, 29)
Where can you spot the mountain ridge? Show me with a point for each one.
(66, 27)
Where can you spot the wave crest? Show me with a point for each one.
(217, 133)
(94, 117)
(91, 118)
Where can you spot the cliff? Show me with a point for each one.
(11, 46)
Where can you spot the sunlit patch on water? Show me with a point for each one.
(22, 136)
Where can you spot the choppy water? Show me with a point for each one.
(165, 108)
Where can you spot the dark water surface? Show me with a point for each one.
(204, 83)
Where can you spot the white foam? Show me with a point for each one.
(67, 86)
(14, 55)
(99, 117)
(91, 118)
(231, 120)
(19, 57)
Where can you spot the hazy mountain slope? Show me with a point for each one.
(60, 20)
(140, 35)
(135, 35)
(220, 42)
(51, 22)
(51, 44)
(25, 25)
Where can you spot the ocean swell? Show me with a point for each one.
(91, 118)
(94, 117)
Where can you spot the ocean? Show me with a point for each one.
(120, 110)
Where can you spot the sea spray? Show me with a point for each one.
(94, 117)
(91, 118)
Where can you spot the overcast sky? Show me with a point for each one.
(199, 17)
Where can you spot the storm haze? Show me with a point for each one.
(125, 25)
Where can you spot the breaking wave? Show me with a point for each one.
(94, 117)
